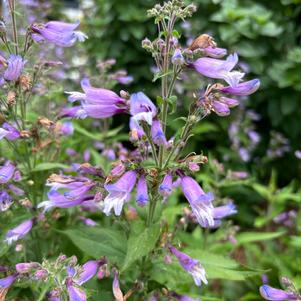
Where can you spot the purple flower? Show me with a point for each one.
(215, 52)
(220, 69)
(119, 193)
(60, 33)
(190, 265)
(142, 192)
(223, 211)
(67, 128)
(9, 132)
(200, 202)
(157, 133)
(19, 231)
(243, 89)
(90, 269)
(5, 200)
(73, 112)
(7, 281)
(165, 188)
(97, 102)
(125, 80)
(60, 201)
(220, 108)
(177, 58)
(6, 172)
(75, 293)
(298, 154)
(142, 108)
(274, 294)
(15, 64)
(87, 221)
(116, 288)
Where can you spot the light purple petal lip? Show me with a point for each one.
(273, 294)
(243, 89)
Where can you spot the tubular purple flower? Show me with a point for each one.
(60, 33)
(79, 192)
(116, 288)
(165, 188)
(119, 193)
(243, 89)
(67, 128)
(90, 269)
(274, 294)
(19, 231)
(60, 201)
(215, 52)
(177, 58)
(75, 293)
(190, 265)
(5, 200)
(98, 102)
(6, 172)
(15, 64)
(7, 281)
(73, 112)
(220, 69)
(157, 133)
(9, 132)
(220, 108)
(142, 108)
(223, 211)
(201, 203)
(87, 221)
(230, 102)
(142, 192)
(26, 267)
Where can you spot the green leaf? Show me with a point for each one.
(140, 244)
(50, 165)
(248, 237)
(98, 242)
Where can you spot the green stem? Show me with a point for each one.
(150, 140)
(13, 17)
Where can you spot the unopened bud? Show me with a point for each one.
(124, 94)
(19, 248)
(25, 82)
(147, 44)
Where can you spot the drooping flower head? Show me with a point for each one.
(19, 231)
(190, 265)
(90, 269)
(200, 202)
(59, 33)
(119, 192)
(274, 294)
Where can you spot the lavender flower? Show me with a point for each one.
(243, 89)
(75, 293)
(119, 193)
(87, 221)
(7, 281)
(142, 193)
(6, 172)
(142, 108)
(90, 269)
(66, 128)
(59, 33)
(15, 64)
(19, 231)
(116, 288)
(200, 202)
(60, 201)
(165, 188)
(9, 132)
(5, 200)
(97, 102)
(157, 133)
(190, 265)
(177, 58)
(220, 69)
(274, 294)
